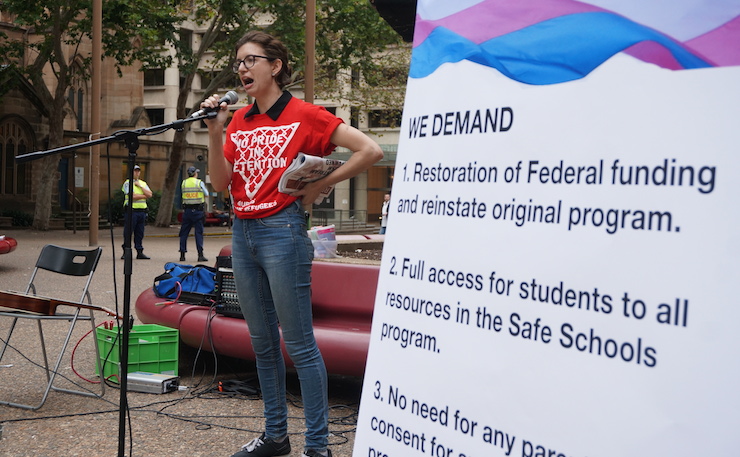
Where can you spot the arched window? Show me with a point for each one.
(15, 139)
(76, 102)
(77, 94)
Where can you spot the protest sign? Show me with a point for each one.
(559, 273)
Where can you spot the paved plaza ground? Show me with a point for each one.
(198, 421)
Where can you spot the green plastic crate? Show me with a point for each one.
(151, 348)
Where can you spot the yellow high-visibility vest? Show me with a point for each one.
(192, 192)
(138, 203)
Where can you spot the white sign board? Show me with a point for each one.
(79, 177)
(559, 270)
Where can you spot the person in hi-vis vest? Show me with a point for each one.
(194, 193)
(138, 219)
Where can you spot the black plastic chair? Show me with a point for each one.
(63, 261)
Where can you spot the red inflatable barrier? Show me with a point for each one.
(7, 244)
(342, 295)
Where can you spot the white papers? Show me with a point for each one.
(304, 169)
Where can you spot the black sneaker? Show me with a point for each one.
(315, 453)
(182, 257)
(202, 259)
(141, 255)
(264, 447)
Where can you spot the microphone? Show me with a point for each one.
(230, 98)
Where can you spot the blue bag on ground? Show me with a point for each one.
(194, 284)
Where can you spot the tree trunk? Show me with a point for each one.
(164, 215)
(46, 174)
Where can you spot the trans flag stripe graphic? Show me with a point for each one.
(544, 42)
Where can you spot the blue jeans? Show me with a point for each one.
(192, 218)
(271, 258)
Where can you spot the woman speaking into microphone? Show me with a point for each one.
(271, 250)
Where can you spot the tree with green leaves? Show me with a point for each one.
(133, 30)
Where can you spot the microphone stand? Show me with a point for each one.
(131, 140)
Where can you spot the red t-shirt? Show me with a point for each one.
(262, 146)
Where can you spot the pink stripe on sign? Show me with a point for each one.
(494, 18)
(721, 45)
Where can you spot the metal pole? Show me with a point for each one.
(97, 30)
(310, 64)
(310, 49)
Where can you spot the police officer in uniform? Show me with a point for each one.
(138, 219)
(193, 204)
